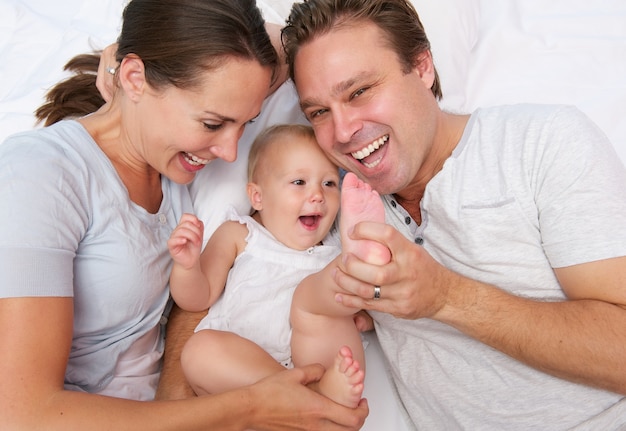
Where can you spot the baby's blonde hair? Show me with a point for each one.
(271, 136)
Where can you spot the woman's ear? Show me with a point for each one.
(132, 76)
(425, 68)
(255, 196)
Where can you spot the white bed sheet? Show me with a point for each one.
(487, 52)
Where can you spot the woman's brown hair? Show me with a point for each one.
(176, 40)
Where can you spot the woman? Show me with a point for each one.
(86, 207)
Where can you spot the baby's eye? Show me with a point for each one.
(298, 182)
(330, 183)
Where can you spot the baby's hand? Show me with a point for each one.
(185, 243)
(363, 321)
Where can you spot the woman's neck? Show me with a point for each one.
(141, 180)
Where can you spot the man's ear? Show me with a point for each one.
(132, 76)
(255, 196)
(425, 68)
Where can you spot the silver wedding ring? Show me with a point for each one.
(111, 70)
(376, 292)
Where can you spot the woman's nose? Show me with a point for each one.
(227, 148)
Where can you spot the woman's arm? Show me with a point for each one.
(34, 349)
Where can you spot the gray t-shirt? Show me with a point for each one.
(528, 189)
(68, 228)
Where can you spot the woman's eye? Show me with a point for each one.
(213, 127)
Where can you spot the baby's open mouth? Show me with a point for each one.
(310, 220)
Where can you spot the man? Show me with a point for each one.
(504, 304)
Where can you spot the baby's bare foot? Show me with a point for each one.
(343, 382)
(360, 203)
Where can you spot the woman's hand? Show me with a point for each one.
(105, 81)
(283, 401)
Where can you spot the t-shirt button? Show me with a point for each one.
(407, 220)
(419, 240)
(162, 219)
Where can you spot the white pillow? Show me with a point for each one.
(503, 52)
(37, 38)
(451, 26)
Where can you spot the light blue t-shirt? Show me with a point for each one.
(68, 228)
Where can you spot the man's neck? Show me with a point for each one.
(412, 206)
(411, 196)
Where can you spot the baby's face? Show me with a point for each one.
(299, 193)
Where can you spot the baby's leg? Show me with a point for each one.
(360, 203)
(217, 361)
(317, 338)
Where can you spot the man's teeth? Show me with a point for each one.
(194, 160)
(364, 152)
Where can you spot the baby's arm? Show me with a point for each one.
(187, 282)
(197, 280)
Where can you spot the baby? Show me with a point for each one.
(251, 266)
